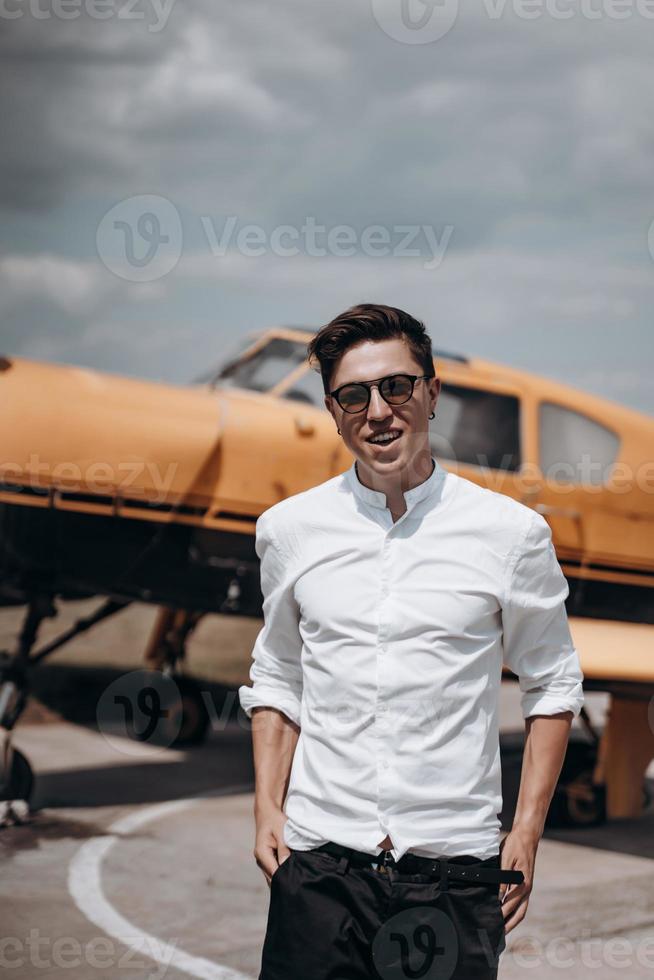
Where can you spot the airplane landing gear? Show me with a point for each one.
(16, 779)
(585, 795)
(578, 801)
(20, 780)
(165, 651)
(193, 719)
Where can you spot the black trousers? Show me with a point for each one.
(366, 924)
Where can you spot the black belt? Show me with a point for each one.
(464, 868)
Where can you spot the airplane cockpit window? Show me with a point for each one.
(307, 388)
(234, 352)
(477, 427)
(265, 368)
(575, 448)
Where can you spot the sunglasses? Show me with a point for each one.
(395, 389)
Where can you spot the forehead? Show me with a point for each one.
(373, 359)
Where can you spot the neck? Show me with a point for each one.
(396, 484)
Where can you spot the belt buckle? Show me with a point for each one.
(386, 861)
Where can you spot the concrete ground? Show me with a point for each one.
(137, 861)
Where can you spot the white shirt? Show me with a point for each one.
(384, 642)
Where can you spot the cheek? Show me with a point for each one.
(418, 419)
(352, 430)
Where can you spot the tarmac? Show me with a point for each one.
(137, 862)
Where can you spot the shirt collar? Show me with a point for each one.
(378, 499)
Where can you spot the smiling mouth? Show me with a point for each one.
(385, 438)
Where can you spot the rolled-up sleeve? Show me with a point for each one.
(276, 670)
(538, 646)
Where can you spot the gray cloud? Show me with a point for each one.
(532, 139)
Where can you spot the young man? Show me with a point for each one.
(393, 593)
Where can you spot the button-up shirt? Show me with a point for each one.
(384, 642)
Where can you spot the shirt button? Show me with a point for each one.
(384, 764)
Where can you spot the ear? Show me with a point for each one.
(329, 407)
(434, 389)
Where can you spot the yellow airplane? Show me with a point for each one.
(142, 491)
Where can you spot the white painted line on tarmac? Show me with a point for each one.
(85, 887)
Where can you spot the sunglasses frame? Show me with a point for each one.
(375, 383)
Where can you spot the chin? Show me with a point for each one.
(382, 464)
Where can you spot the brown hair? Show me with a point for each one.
(368, 321)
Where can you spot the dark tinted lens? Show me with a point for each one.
(353, 398)
(397, 388)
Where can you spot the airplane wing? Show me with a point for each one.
(614, 656)
(614, 651)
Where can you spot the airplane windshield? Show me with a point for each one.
(264, 368)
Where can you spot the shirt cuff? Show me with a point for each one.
(548, 703)
(270, 697)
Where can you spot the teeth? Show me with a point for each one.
(385, 438)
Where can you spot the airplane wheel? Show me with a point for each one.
(21, 779)
(585, 802)
(194, 716)
(577, 801)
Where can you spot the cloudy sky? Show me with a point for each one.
(176, 173)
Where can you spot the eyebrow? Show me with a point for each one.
(370, 380)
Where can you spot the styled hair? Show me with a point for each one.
(367, 321)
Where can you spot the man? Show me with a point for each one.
(393, 593)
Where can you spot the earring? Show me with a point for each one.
(433, 415)
(339, 431)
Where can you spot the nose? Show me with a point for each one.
(378, 408)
